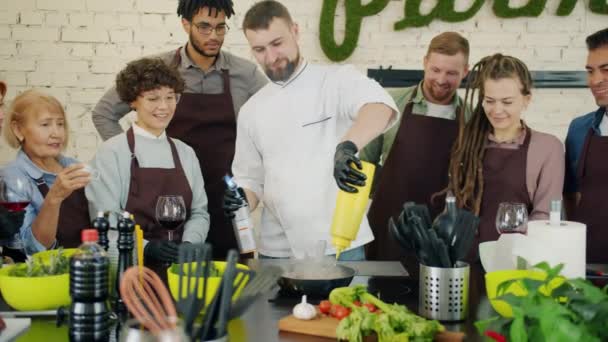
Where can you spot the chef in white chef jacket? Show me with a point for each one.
(287, 135)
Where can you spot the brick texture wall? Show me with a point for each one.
(73, 49)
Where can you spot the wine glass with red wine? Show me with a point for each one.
(512, 218)
(15, 192)
(170, 213)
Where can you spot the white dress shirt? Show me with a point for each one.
(286, 139)
(604, 125)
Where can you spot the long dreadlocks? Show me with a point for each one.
(187, 9)
(466, 159)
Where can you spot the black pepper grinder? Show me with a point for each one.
(125, 244)
(102, 224)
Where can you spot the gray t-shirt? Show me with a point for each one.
(245, 80)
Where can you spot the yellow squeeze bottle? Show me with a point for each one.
(349, 212)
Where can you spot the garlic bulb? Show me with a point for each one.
(304, 310)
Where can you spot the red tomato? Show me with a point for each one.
(334, 308)
(325, 306)
(357, 303)
(341, 312)
(370, 307)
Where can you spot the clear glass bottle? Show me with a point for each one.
(241, 222)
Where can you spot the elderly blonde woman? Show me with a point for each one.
(37, 127)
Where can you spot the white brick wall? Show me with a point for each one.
(73, 48)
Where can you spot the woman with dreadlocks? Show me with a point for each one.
(497, 157)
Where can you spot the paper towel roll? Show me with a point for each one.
(566, 243)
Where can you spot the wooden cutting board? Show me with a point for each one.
(325, 326)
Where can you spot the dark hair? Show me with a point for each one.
(597, 40)
(146, 74)
(466, 159)
(261, 14)
(189, 8)
(449, 43)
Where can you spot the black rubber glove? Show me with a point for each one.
(161, 251)
(344, 172)
(10, 222)
(232, 203)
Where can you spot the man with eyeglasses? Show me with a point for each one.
(217, 85)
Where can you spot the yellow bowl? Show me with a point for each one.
(494, 279)
(34, 293)
(45, 256)
(212, 283)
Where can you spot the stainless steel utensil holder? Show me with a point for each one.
(444, 292)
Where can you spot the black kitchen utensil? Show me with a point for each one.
(194, 261)
(422, 211)
(265, 279)
(402, 240)
(208, 329)
(228, 288)
(426, 254)
(463, 235)
(445, 222)
(406, 231)
(440, 250)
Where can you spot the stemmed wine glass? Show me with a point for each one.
(15, 192)
(512, 218)
(170, 213)
(15, 195)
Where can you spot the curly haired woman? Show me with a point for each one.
(143, 163)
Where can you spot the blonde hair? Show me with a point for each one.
(23, 107)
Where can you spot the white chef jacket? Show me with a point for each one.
(286, 139)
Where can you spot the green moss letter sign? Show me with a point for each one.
(444, 10)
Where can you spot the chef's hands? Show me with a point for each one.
(161, 251)
(10, 222)
(344, 172)
(232, 203)
(71, 178)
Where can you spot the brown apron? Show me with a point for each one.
(73, 216)
(592, 209)
(504, 180)
(145, 185)
(207, 123)
(415, 169)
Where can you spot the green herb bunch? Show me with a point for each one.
(58, 264)
(574, 311)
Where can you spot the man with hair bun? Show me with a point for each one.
(217, 84)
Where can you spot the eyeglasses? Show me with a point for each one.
(155, 101)
(206, 29)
